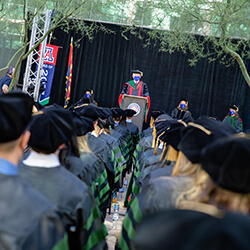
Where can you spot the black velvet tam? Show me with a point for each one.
(198, 135)
(117, 112)
(163, 122)
(156, 113)
(227, 161)
(93, 112)
(129, 112)
(50, 128)
(82, 124)
(173, 134)
(136, 71)
(15, 114)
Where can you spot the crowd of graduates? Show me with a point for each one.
(190, 187)
(61, 168)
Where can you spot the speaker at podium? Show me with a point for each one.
(139, 105)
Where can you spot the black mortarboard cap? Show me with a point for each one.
(15, 113)
(53, 106)
(50, 128)
(94, 112)
(163, 122)
(227, 162)
(136, 71)
(101, 123)
(156, 113)
(219, 129)
(110, 121)
(187, 229)
(234, 107)
(129, 112)
(106, 113)
(183, 99)
(173, 134)
(201, 133)
(117, 112)
(82, 124)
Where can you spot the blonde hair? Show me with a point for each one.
(83, 144)
(184, 167)
(97, 130)
(106, 131)
(206, 191)
(34, 109)
(172, 154)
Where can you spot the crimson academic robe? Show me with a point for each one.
(140, 89)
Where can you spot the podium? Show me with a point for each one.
(138, 104)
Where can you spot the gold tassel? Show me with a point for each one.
(177, 164)
(157, 141)
(154, 135)
(208, 132)
(156, 146)
(172, 154)
(151, 122)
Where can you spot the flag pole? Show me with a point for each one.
(69, 75)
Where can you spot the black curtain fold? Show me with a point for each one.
(104, 65)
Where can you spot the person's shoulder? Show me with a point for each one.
(26, 194)
(68, 180)
(7, 78)
(128, 83)
(4, 79)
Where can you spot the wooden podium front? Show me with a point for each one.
(138, 104)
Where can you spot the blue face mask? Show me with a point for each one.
(136, 78)
(87, 95)
(232, 112)
(182, 106)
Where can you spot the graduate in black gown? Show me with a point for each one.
(182, 112)
(87, 98)
(50, 129)
(163, 192)
(27, 218)
(187, 229)
(134, 130)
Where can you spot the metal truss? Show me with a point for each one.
(34, 65)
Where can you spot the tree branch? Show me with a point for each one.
(238, 58)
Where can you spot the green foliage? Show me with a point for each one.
(175, 25)
(212, 29)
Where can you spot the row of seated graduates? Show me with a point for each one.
(197, 170)
(112, 145)
(43, 205)
(97, 152)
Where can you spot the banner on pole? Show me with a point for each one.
(49, 65)
(69, 76)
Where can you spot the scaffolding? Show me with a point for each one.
(34, 66)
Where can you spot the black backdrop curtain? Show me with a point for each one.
(104, 64)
